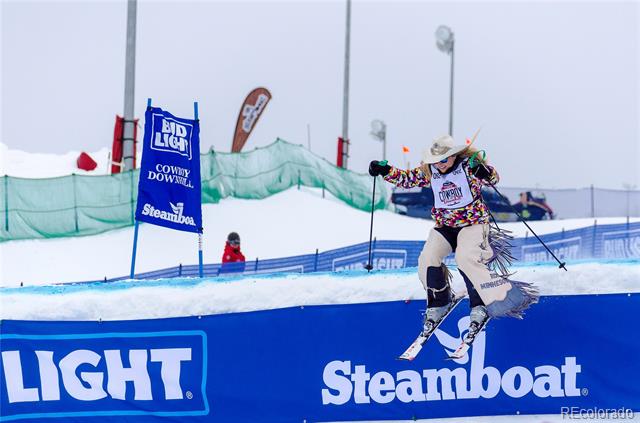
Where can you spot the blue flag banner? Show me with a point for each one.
(323, 363)
(169, 192)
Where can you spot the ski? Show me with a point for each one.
(467, 342)
(416, 346)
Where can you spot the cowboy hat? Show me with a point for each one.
(444, 146)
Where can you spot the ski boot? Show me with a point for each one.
(478, 319)
(433, 317)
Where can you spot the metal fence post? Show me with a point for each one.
(75, 201)
(315, 264)
(628, 203)
(593, 202)
(132, 199)
(593, 246)
(6, 202)
(256, 266)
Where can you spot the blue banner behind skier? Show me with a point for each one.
(321, 364)
(169, 190)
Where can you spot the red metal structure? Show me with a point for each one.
(116, 150)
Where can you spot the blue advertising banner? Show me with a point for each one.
(619, 241)
(322, 363)
(169, 189)
(87, 374)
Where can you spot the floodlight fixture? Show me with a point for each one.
(445, 39)
(378, 129)
(379, 132)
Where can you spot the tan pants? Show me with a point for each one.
(472, 252)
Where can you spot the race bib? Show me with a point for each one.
(451, 191)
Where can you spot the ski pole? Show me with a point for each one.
(562, 264)
(369, 266)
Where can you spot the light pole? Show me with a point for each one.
(379, 132)
(628, 188)
(345, 95)
(128, 145)
(445, 41)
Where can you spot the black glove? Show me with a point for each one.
(481, 171)
(379, 168)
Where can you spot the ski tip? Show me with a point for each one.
(454, 357)
(460, 352)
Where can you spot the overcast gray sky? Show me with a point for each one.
(554, 85)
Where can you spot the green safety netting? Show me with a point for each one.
(78, 205)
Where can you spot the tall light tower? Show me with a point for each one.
(128, 144)
(445, 41)
(344, 143)
(379, 132)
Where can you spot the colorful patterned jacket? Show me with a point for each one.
(474, 213)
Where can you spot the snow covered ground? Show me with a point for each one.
(291, 223)
(38, 165)
(193, 297)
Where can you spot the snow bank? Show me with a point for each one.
(190, 297)
(40, 165)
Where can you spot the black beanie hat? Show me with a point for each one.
(233, 236)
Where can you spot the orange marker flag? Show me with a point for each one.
(470, 141)
(405, 149)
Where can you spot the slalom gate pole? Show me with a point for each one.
(369, 266)
(200, 267)
(135, 230)
(561, 263)
(135, 247)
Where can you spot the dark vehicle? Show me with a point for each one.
(417, 202)
(533, 207)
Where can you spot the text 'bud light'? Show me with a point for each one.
(119, 373)
(171, 136)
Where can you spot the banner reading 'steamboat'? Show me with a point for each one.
(169, 190)
(322, 364)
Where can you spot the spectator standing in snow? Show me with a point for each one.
(232, 259)
(232, 253)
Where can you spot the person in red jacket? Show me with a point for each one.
(232, 253)
(232, 258)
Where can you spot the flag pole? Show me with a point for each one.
(200, 267)
(405, 150)
(135, 246)
(135, 230)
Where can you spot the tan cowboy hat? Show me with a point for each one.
(445, 146)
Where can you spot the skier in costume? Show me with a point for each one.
(456, 174)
